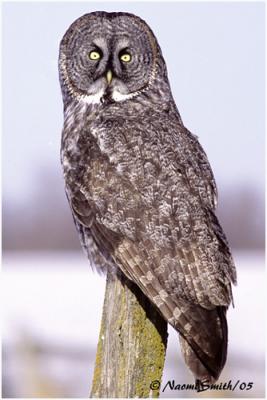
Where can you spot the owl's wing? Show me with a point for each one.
(99, 256)
(170, 245)
(202, 176)
(203, 331)
(169, 219)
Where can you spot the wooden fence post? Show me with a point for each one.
(132, 344)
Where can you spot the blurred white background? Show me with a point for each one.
(52, 301)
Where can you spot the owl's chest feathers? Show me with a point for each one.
(103, 149)
(132, 147)
(113, 132)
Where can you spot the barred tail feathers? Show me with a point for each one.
(205, 354)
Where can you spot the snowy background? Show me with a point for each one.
(52, 301)
(52, 317)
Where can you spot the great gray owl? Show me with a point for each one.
(139, 184)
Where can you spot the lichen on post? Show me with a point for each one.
(132, 343)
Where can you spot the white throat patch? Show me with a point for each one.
(117, 96)
(93, 98)
(97, 97)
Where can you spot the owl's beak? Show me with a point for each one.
(109, 76)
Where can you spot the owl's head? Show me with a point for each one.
(108, 57)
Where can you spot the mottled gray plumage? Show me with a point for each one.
(139, 184)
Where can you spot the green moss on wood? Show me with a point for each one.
(132, 354)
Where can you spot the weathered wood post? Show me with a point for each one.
(132, 344)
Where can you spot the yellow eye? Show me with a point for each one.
(94, 55)
(126, 57)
